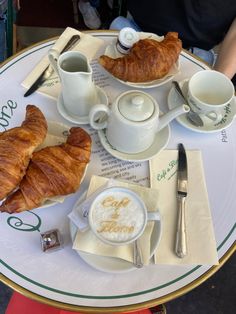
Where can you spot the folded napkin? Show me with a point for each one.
(86, 241)
(200, 233)
(91, 46)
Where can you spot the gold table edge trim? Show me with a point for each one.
(123, 308)
(132, 307)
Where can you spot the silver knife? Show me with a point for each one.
(48, 71)
(182, 184)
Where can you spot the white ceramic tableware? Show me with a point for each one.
(118, 216)
(112, 264)
(160, 142)
(78, 89)
(101, 99)
(209, 126)
(208, 92)
(133, 121)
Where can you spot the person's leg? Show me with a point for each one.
(121, 22)
(207, 55)
(90, 14)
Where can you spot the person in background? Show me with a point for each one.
(226, 61)
(88, 9)
(3, 9)
(201, 25)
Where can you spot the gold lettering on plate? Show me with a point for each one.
(113, 226)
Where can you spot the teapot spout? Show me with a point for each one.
(171, 115)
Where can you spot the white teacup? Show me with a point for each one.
(118, 216)
(79, 92)
(133, 120)
(208, 92)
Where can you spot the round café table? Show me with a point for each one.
(61, 278)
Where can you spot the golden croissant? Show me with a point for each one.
(147, 60)
(16, 148)
(53, 171)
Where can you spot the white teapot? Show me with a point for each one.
(132, 121)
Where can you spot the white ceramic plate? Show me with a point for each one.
(57, 134)
(160, 142)
(111, 264)
(102, 99)
(113, 53)
(229, 112)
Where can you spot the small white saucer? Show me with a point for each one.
(115, 265)
(229, 112)
(112, 264)
(102, 99)
(160, 142)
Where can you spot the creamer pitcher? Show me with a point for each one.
(78, 89)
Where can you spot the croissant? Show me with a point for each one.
(53, 171)
(147, 60)
(16, 148)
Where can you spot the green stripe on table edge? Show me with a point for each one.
(105, 297)
(118, 296)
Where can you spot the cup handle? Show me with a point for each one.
(214, 116)
(95, 114)
(153, 215)
(53, 56)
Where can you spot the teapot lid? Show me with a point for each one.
(136, 106)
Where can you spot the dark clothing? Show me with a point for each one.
(200, 23)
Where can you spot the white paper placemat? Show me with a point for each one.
(199, 229)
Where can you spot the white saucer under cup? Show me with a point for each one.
(101, 99)
(209, 91)
(209, 126)
(160, 142)
(112, 264)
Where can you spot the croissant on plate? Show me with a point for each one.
(53, 171)
(147, 60)
(16, 148)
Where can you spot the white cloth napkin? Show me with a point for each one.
(89, 45)
(200, 233)
(86, 241)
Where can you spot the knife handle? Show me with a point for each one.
(70, 43)
(181, 243)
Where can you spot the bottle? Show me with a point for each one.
(127, 37)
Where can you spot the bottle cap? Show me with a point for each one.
(127, 37)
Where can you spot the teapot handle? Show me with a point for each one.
(96, 116)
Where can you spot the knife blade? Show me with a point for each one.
(182, 191)
(48, 71)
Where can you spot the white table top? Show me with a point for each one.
(62, 278)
